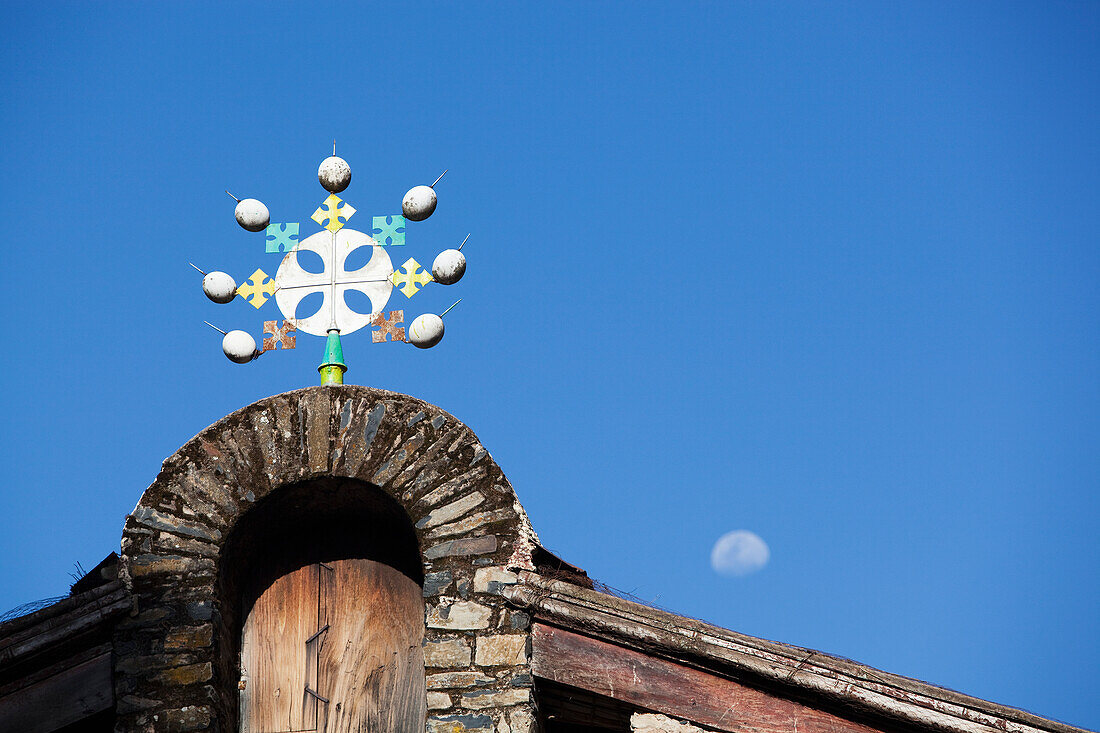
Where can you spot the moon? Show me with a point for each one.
(738, 553)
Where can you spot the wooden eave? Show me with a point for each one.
(856, 691)
(25, 638)
(55, 663)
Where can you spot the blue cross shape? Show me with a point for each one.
(281, 237)
(388, 230)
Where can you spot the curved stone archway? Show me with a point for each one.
(176, 665)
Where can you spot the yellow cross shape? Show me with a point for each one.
(255, 290)
(331, 210)
(410, 281)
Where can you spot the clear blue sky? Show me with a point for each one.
(827, 272)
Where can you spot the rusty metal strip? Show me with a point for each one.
(319, 697)
(276, 335)
(387, 325)
(319, 631)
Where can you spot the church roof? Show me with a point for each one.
(848, 688)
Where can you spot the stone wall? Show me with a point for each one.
(657, 723)
(176, 667)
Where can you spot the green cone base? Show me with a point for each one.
(333, 367)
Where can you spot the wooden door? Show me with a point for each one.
(335, 647)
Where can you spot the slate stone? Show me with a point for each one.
(460, 616)
(436, 583)
(459, 723)
(200, 611)
(374, 419)
(453, 680)
(438, 701)
(447, 653)
(465, 546)
(152, 518)
(451, 511)
(481, 699)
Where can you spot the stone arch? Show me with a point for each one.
(175, 667)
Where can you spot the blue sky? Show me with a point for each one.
(825, 272)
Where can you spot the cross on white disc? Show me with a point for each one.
(293, 283)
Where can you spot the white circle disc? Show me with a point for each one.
(334, 174)
(239, 346)
(252, 215)
(426, 331)
(419, 203)
(219, 287)
(449, 266)
(294, 283)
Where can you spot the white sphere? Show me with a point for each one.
(219, 287)
(252, 215)
(426, 331)
(419, 203)
(239, 347)
(334, 174)
(449, 267)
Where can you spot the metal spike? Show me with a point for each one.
(463, 243)
(439, 179)
(449, 309)
(193, 265)
(319, 697)
(317, 633)
(232, 196)
(208, 323)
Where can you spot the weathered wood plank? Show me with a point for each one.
(9, 629)
(673, 689)
(31, 677)
(67, 697)
(372, 659)
(76, 618)
(275, 658)
(335, 647)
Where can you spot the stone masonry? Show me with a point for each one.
(173, 670)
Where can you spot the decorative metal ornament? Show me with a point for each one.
(332, 211)
(449, 267)
(281, 237)
(257, 288)
(334, 174)
(251, 214)
(426, 331)
(388, 230)
(410, 281)
(387, 326)
(276, 335)
(334, 317)
(295, 283)
(419, 203)
(220, 287)
(239, 346)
